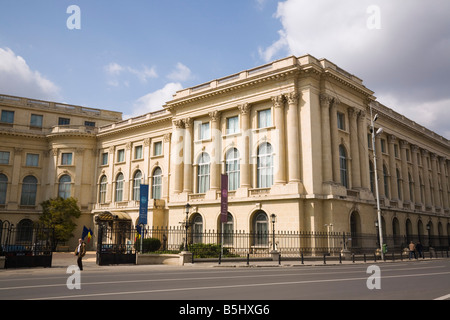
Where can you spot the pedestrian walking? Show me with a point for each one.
(419, 249)
(412, 250)
(80, 252)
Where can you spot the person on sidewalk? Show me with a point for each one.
(412, 250)
(80, 252)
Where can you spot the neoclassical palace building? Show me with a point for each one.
(293, 136)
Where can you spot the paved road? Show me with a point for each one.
(423, 279)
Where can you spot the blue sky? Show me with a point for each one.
(131, 56)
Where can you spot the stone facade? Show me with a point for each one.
(293, 136)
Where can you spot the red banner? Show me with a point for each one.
(224, 198)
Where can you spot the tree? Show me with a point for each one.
(58, 214)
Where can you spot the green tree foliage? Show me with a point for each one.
(59, 214)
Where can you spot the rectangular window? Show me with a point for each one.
(104, 158)
(121, 155)
(89, 124)
(32, 160)
(138, 152)
(7, 116)
(36, 121)
(383, 146)
(341, 120)
(4, 157)
(232, 125)
(264, 118)
(157, 148)
(66, 159)
(63, 121)
(396, 151)
(204, 131)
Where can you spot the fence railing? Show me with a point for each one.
(289, 244)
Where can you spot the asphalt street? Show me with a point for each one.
(402, 280)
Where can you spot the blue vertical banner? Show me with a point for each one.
(143, 204)
(224, 198)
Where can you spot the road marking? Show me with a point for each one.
(446, 297)
(230, 286)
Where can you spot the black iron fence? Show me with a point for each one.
(26, 245)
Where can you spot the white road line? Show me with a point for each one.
(230, 286)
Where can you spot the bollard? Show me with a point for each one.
(248, 258)
(375, 256)
(340, 258)
(324, 258)
(353, 257)
(220, 257)
(364, 258)
(279, 259)
(301, 256)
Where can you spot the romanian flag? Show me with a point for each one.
(87, 233)
(138, 233)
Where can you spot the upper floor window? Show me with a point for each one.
(36, 121)
(89, 123)
(32, 160)
(343, 166)
(104, 158)
(265, 166)
(204, 131)
(203, 173)
(63, 121)
(157, 148)
(3, 188)
(137, 185)
(233, 125)
(65, 183)
(102, 191)
(66, 159)
(264, 118)
(341, 120)
(119, 187)
(138, 152)
(29, 189)
(121, 155)
(233, 169)
(7, 116)
(4, 157)
(157, 183)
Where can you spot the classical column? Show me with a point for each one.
(280, 169)
(354, 149)
(444, 182)
(434, 176)
(215, 156)
(393, 167)
(426, 178)
(327, 165)
(404, 161)
(245, 150)
(363, 150)
(414, 155)
(335, 140)
(187, 154)
(176, 155)
(293, 137)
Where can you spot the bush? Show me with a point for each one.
(201, 250)
(148, 245)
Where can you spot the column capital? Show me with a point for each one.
(325, 100)
(292, 97)
(278, 101)
(392, 138)
(178, 123)
(215, 115)
(188, 122)
(244, 108)
(404, 144)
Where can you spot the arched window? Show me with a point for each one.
(261, 229)
(29, 189)
(411, 187)
(137, 185)
(396, 231)
(265, 166)
(3, 188)
(355, 228)
(233, 169)
(65, 183)
(203, 173)
(343, 166)
(119, 187)
(228, 229)
(197, 228)
(102, 189)
(372, 177)
(157, 183)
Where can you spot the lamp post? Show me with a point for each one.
(187, 206)
(379, 131)
(273, 219)
(429, 234)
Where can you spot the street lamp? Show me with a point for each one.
(429, 233)
(187, 206)
(379, 131)
(273, 219)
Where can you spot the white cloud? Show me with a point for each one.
(155, 100)
(115, 70)
(17, 78)
(181, 73)
(406, 58)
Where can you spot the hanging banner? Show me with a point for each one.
(224, 198)
(143, 204)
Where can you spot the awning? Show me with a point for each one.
(112, 216)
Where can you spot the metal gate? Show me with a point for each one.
(115, 244)
(27, 245)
